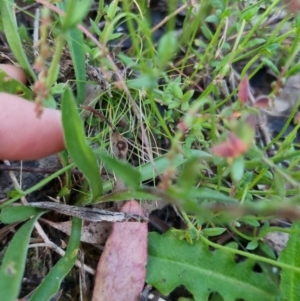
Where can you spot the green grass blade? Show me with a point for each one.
(75, 42)
(76, 45)
(289, 286)
(11, 32)
(51, 283)
(77, 146)
(123, 170)
(13, 265)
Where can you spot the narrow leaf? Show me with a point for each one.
(77, 146)
(76, 10)
(11, 32)
(75, 42)
(289, 286)
(76, 45)
(123, 170)
(13, 264)
(51, 283)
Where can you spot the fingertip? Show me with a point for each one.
(23, 135)
(14, 72)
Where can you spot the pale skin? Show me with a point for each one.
(24, 136)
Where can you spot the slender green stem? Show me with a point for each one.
(251, 256)
(38, 185)
(54, 68)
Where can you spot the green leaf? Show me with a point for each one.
(212, 19)
(75, 42)
(252, 245)
(112, 9)
(127, 195)
(250, 220)
(289, 286)
(77, 146)
(76, 45)
(13, 86)
(145, 81)
(271, 65)
(11, 215)
(213, 231)
(13, 264)
(167, 48)
(237, 169)
(76, 10)
(12, 35)
(188, 95)
(279, 184)
(210, 194)
(51, 283)
(255, 42)
(173, 262)
(189, 173)
(123, 170)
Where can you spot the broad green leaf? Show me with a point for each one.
(77, 146)
(167, 48)
(13, 264)
(123, 170)
(289, 286)
(13, 86)
(11, 32)
(51, 283)
(15, 214)
(173, 262)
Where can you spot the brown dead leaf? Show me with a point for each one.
(91, 232)
(276, 240)
(121, 271)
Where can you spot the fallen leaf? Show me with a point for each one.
(244, 90)
(91, 232)
(121, 271)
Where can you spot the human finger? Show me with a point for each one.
(23, 135)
